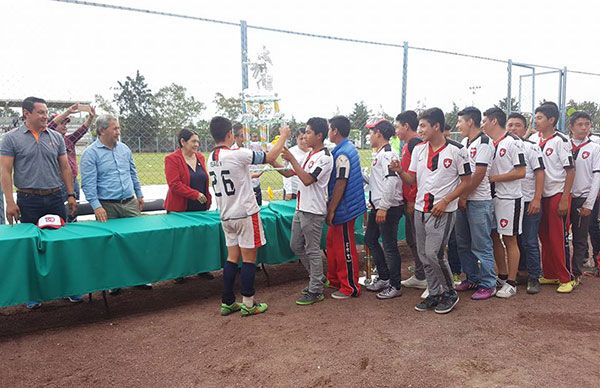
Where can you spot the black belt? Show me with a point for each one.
(121, 201)
(40, 192)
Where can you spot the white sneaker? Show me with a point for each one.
(413, 282)
(506, 291)
(378, 285)
(500, 283)
(425, 294)
(389, 293)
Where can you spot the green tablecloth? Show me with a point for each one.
(90, 256)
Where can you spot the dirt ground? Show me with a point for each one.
(174, 336)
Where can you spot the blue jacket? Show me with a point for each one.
(352, 204)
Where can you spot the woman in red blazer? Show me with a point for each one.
(187, 176)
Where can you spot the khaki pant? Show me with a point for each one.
(118, 210)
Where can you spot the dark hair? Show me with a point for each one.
(472, 113)
(385, 128)
(28, 103)
(409, 117)
(299, 131)
(319, 126)
(434, 116)
(341, 123)
(237, 129)
(551, 103)
(498, 114)
(516, 115)
(185, 135)
(550, 110)
(219, 127)
(579, 115)
(447, 128)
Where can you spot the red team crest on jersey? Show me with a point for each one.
(473, 152)
(447, 163)
(549, 151)
(585, 155)
(374, 161)
(311, 163)
(503, 222)
(502, 152)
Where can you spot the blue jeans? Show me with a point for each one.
(529, 244)
(65, 198)
(33, 207)
(388, 258)
(474, 242)
(453, 258)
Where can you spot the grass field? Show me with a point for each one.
(151, 170)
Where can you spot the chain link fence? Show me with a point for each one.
(155, 99)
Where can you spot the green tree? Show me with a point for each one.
(229, 107)
(358, 119)
(590, 107)
(175, 109)
(503, 104)
(104, 104)
(451, 117)
(137, 113)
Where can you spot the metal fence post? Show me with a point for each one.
(509, 91)
(563, 103)
(404, 75)
(244, 42)
(139, 144)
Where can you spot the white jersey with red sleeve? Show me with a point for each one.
(385, 185)
(438, 173)
(230, 176)
(508, 154)
(587, 171)
(480, 153)
(313, 198)
(557, 156)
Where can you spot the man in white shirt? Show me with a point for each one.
(474, 217)
(586, 154)
(507, 170)
(299, 152)
(386, 210)
(230, 176)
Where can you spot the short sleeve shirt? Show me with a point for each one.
(533, 158)
(587, 163)
(342, 167)
(385, 185)
(508, 154)
(557, 156)
(480, 153)
(438, 173)
(35, 162)
(313, 198)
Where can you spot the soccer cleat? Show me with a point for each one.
(310, 298)
(227, 309)
(565, 288)
(456, 279)
(378, 285)
(465, 285)
(428, 303)
(413, 282)
(533, 286)
(258, 308)
(389, 293)
(339, 295)
(483, 293)
(506, 291)
(447, 302)
(543, 280)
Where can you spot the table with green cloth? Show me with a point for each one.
(46, 264)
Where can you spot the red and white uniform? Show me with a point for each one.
(385, 185)
(508, 205)
(438, 173)
(313, 198)
(587, 171)
(290, 185)
(533, 158)
(557, 156)
(230, 176)
(480, 153)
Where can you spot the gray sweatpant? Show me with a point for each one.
(432, 235)
(409, 229)
(306, 244)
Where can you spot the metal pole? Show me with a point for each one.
(520, 86)
(404, 75)
(244, 42)
(509, 91)
(563, 108)
(533, 97)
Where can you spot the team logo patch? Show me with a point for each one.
(549, 151)
(311, 163)
(473, 152)
(447, 163)
(374, 161)
(503, 222)
(585, 155)
(502, 152)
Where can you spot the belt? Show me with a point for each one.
(121, 201)
(40, 192)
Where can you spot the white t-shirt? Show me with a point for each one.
(230, 176)
(557, 156)
(290, 185)
(533, 157)
(508, 154)
(313, 198)
(480, 153)
(438, 173)
(385, 185)
(587, 171)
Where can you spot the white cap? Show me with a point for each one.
(50, 221)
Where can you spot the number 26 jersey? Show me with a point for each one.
(230, 178)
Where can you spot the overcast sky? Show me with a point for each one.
(65, 51)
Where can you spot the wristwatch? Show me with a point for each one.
(72, 195)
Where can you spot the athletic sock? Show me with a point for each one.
(512, 283)
(229, 273)
(248, 301)
(247, 275)
(503, 277)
